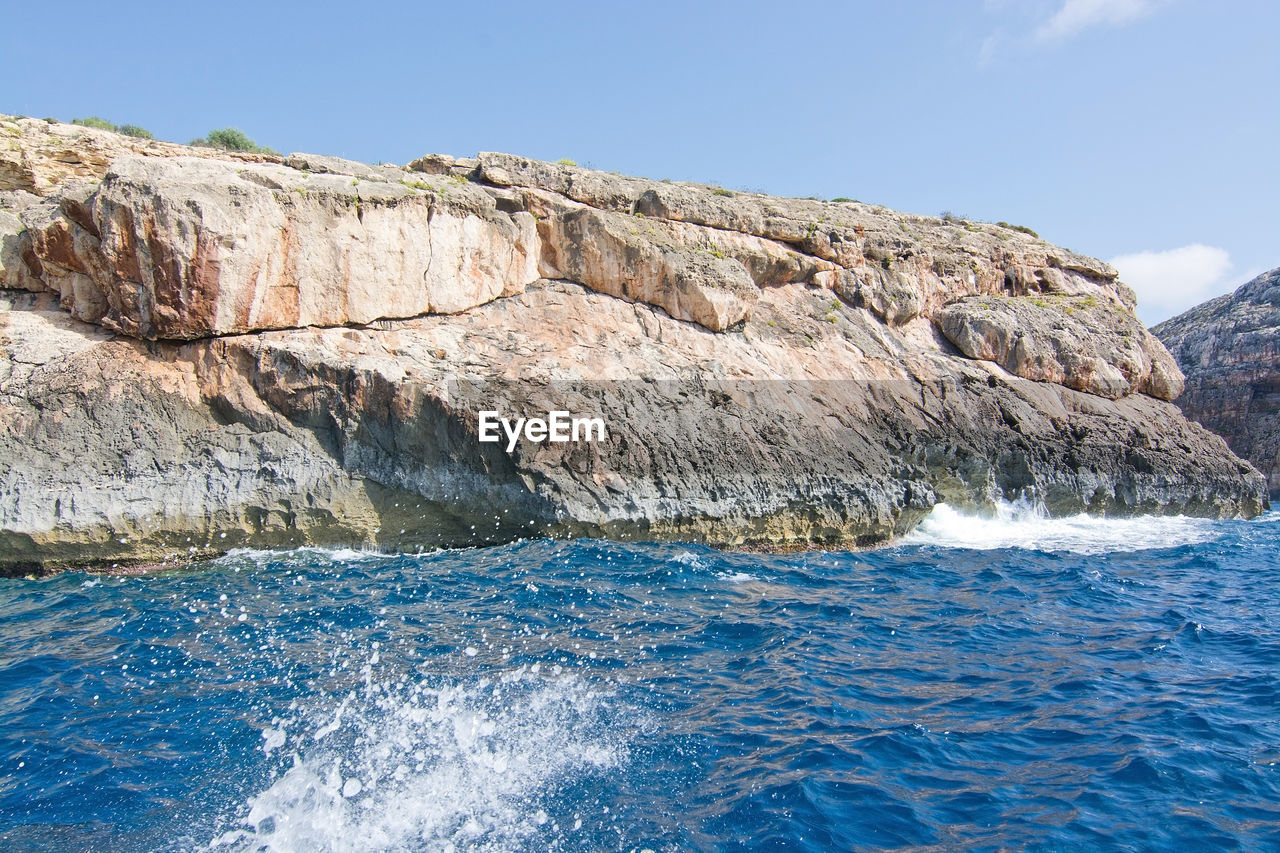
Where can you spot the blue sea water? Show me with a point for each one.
(1007, 683)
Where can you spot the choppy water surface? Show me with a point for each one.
(1014, 683)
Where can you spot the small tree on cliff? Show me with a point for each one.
(231, 139)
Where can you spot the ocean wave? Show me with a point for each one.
(1024, 525)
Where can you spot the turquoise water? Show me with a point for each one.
(1006, 683)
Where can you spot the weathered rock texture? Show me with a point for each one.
(214, 351)
(1229, 349)
(186, 248)
(39, 156)
(1073, 341)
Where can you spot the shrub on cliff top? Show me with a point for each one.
(231, 139)
(1022, 228)
(134, 131)
(102, 124)
(94, 121)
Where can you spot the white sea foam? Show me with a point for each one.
(349, 555)
(1023, 525)
(688, 558)
(404, 766)
(697, 563)
(263, 556)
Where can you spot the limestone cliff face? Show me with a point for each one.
(1229, 349)
(200, 351)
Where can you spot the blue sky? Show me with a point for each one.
(1140, 131)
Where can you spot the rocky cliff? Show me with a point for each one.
(201, 350)
(1229, 349)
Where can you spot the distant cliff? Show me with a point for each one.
(1229, 349)
(201, 350)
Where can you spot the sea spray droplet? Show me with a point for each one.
(273, 739)
(351, 788)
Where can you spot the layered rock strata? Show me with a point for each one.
(212, 352)
(1229, 349)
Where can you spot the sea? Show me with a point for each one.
(1012, 682)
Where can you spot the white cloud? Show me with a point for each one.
(1170, 282)
(988, 50)
(1078, 15)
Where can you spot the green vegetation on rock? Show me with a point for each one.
(102, 124)
(1022, 228)
(231, 139)
(959, 218)
(134, 131)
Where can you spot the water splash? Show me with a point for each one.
(1024, 525)
(404, 764)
